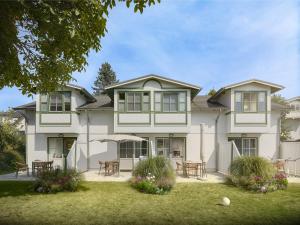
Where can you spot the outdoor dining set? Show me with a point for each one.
(110, 167)
(190, 168)
(38, 167)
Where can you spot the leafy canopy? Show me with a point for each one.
(42, 42)
(106, 76)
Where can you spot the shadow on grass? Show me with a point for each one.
(25, 188)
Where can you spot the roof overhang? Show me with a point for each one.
(195, 89)
(293, 99)
(274, 87)
(83, 91)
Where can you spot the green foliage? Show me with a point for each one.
(154, 175)
(57, 180)
(246, 166)
(257, 174)
(8, 159)
(42, 42)
(106, 76)
(284, 128)
(212, 92)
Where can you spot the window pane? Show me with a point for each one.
(246, 106)
(166, 107)
(247, 97)
(238, 102)
(121, 96)
(261, 102)
(173, 107)
(130, 107)
(253, 107)
(157, 107)
(121, 107)
(67, 106)
(137, 97)
(43, 107)
(130, 97)
(181, 107)
(43, 98)
(59, 102)
(146, 107)
(137, 107)
(182, 97)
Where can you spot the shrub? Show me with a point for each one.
(154, 176)
(8, 159)
(257, 174)
(57, 180)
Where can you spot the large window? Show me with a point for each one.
(295, 106)
(56, 102)
(174, 146)
(246, 146)
(133, 101)
(170, 101)
(249, 102)
(141, 149)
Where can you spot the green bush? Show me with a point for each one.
(8, 159)
(154, 175)
(256, 173)
(57, 180)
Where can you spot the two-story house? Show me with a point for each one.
(172, 118)
(293, 118)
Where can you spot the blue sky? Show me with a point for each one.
(208, 43)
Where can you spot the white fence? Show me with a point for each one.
(290, 152)
(227, 153)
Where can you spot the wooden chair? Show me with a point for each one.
(116, 165)
(191, 169)
(203, 169)
(21, 167)
(108, 168)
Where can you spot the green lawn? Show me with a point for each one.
(118, 203)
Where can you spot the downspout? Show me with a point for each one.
(87, 139)
(201, 143)
(216, 139)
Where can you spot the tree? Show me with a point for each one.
(212, 92)
(284, 128)
(42, 42)
(106, 76)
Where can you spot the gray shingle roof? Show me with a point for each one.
(201, 102)
(29, 106)
(103, 101)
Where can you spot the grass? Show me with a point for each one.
(118, 203)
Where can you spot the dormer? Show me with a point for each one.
(152, 103)
(249, 103)
(58, 109)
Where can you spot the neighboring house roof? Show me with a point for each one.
(195, 88)
(274, 87)
(28, 106)
(293, 99)
(14, 115)
(103, 101)
(83, 91)
(202, 102)
(278, 106)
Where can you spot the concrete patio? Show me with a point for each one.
(92, 175)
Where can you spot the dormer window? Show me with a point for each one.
(170, 101)
(250, 102)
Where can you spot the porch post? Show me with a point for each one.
(133, 155)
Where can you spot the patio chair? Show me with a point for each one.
(191, 169)
(179, 167)
(101, 163)
(203, 169)
(21, 167)
(108, 168)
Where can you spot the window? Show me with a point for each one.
(295, 106)
(121, 106)
(134, 103)
(56, 102)
(146, 101)
(250, 102)
(44, 102)
(157, 102)
(170, 101)
(126, 149)
(163, 146)
(246, 146)
(67, 101)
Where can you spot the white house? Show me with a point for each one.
(293, 118)
(13, 118)
(170, 115)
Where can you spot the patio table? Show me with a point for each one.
(199, 168)
(39, 166)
